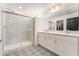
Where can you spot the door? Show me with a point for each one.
(16, 29)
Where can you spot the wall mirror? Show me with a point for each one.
(60, 25)
(72, 24)
(51, 25)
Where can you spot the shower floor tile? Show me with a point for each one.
(30, 51)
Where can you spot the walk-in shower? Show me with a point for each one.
(17, 30)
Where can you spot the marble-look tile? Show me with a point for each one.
(30, 51)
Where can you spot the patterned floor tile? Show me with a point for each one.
(30, 51)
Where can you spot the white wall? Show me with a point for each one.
(41, 24)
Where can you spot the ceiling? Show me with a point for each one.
(38, 9)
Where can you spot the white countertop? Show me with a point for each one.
(62, 33)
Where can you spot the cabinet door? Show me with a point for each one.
(47, 40)
(66, 47)
(50, 42)
(42, 39)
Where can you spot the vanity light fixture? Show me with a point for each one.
(54, 9)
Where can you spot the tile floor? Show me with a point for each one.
(30, 51)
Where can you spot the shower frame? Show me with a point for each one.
(2, 26)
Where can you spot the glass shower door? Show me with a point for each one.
(16, 29)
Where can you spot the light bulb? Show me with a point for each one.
(57, 8)
(52, 10)
(20, 7)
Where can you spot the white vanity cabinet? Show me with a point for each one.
(60, 44)
(47, 40)
(66, 45)
(42, 39)
(51, 42)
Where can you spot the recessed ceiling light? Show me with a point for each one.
(20, 7)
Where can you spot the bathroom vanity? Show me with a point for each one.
(64, 44)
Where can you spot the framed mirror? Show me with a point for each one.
(60, 25)
(51, 25)
(72, 24)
